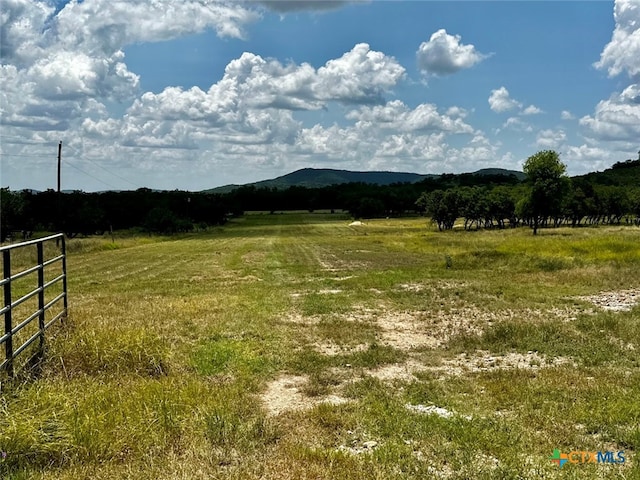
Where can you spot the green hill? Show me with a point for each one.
(622, 173)
(324, 177)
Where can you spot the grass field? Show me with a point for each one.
(296, 346)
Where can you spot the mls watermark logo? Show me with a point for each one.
(581, 457)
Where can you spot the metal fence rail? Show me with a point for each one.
(11, 351)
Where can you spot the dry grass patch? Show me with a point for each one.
(332, 349)
(286, 393)
(615, 301)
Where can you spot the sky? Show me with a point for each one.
(194, 94)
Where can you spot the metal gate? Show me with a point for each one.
(14, 328)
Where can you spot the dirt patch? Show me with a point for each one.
(358, 448)
(323, 291)
(329, 291)
(435, 328)
(617, 301)
(432, 329)
(254, 258)
(285, 394)
(440, 285)
(480, 361)
(483, 361)
(300, 319)
(332, 349)
(434, 410)
(397, 371)
(406, 330)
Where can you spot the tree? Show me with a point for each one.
(11, 212)
(502, 206)
(441, 206)
(549, 184)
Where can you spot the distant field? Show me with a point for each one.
(295, 346)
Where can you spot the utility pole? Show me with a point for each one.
(59, 164)
(59, 219)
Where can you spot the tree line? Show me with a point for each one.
(546, 197)
(80, 213)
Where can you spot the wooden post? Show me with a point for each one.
(59, 164)
(59, 219)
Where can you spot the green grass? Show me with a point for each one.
(173, 345)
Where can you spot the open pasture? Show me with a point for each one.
(295, 346)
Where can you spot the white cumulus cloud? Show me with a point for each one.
(395, 115)
(532, 110)
(361, 74)
(500, 101)
(622, 53)
(444, 54)
(550, 139)
(617, 118)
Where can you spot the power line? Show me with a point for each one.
(89, 175)
(82, 157)
(114, 174)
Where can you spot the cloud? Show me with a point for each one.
(75, 75)
(587, 158)
(254, 101)
(567, 115)
(616, 119)
(550, 139)
(457, 112)
(395, 137)
(516, 124)
(109, 25)
(500, 101)
(61, 66)
(359, 75)
(531, 110)
(622, 53)
(21, 25)
(395, 115)
(443, 54)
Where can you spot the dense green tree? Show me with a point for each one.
(473, 206)
(549, 185)
(501, 206)
(614, 203)
(442, 206)
(11, 211)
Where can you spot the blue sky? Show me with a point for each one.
(195, 94)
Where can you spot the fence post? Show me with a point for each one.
(41, 317)
(64, 279)
(8, 345)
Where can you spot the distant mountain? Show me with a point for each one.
(621, 173)
(500, 171)
(324, 177)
